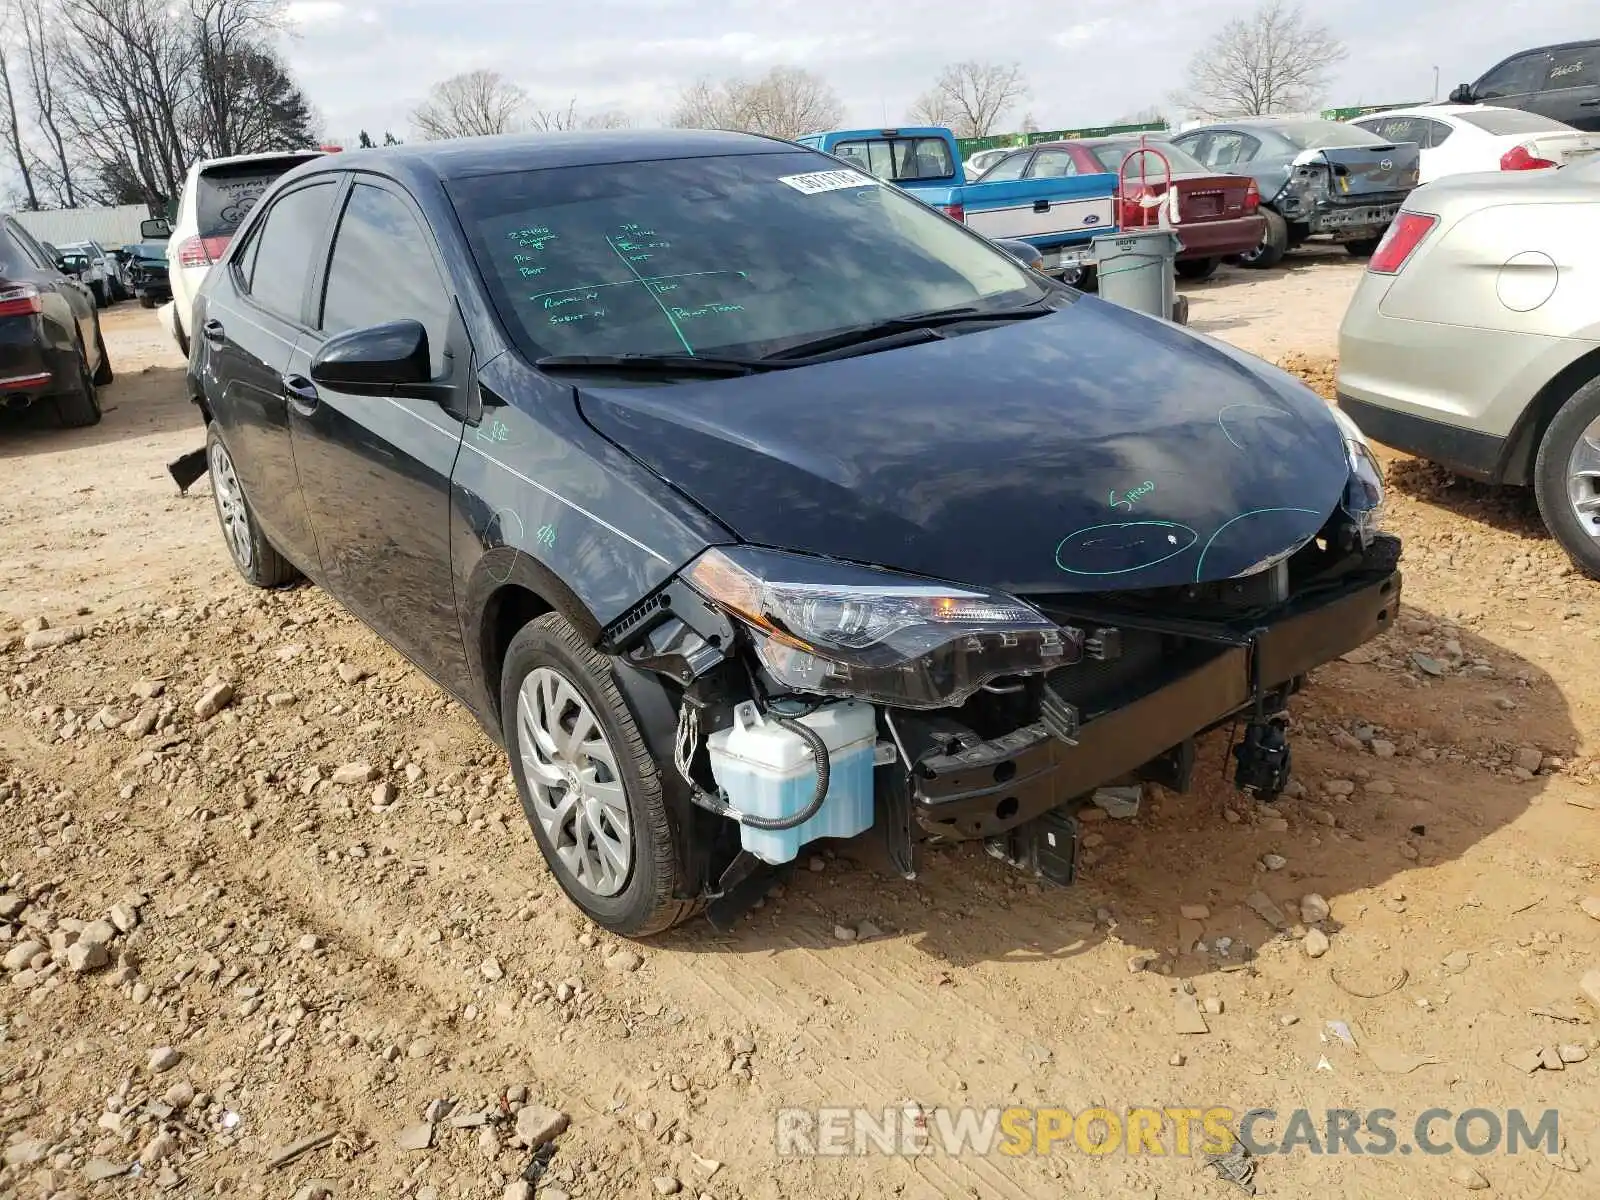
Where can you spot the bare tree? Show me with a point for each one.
(13, 134)
(471, 105)
(558, 119)
(785, 102)
(38, 48)
(972, 97)
(1272, 61)
(226, 36)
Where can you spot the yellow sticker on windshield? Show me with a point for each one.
(827, 181)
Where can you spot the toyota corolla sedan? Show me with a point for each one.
(747, 501)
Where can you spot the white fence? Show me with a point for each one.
(111, 227)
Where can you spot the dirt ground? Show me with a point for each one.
(319, 911)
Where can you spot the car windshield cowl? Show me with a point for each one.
(656, 364)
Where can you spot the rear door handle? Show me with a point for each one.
(1589, 103)
(213, 332)
(1041, 206)
(301, 394)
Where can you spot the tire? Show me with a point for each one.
(1362, 247)
(1083, 278)
(1553, 486)
(147, 301)
(254, 557)
(98, 290)
(81, 407)
(103, 374)
(1198, 270)
(552, 677)
(1274, 243)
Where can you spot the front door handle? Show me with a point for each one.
(1041, 206)
(1589, 103)
(301, 394)
(213, 332)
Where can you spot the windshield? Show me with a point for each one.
(1111, 155)
(736, 255)
(1501, 121)
(1316, 135)
(225, 194)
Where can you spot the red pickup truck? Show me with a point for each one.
(1217, 215)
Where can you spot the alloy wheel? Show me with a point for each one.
(572, 774)
(230, 507)
(1583, 479)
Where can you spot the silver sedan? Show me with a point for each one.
(1474, 339)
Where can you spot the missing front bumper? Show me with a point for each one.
(961, 789)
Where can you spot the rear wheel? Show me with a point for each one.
(80, 406)
(103, 374)
(147, 301)
(589, 786)
(98, 290)
(1196, 270)
(1274, 243)
(1566, 478)
(1362, 247)
(253, 555)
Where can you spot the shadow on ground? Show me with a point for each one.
(146, 402)
(1509, 509)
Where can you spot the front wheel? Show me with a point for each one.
(588, 784)
(1566, 478)
(1274, 243)
(253, 555)
(1362, 247)
(1198, 270)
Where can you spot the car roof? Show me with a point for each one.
(466, 158)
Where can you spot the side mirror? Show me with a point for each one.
(1024, 252)
(376, 361)
(154, 230)
(1462, 94)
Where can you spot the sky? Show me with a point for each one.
(367, 63)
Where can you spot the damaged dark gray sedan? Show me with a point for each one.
(747, 501)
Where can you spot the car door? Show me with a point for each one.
(1571, 91)
(376, 470)
(250, 320)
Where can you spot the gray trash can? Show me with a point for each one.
(1135, 270)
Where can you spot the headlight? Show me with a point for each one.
(834, 628)
(1363, 494)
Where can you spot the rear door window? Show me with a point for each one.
(1228, 147)
(285, 249)
(224, 195)
(1577, 67)
(1007, 169)
(379, 238)
(1053, 164)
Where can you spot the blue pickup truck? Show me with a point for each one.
(1056, 210)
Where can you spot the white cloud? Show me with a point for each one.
(306, 13)
(1082, 70)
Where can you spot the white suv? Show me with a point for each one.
(217, 194)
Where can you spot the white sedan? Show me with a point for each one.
(1461, 138)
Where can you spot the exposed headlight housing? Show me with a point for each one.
(838, 629)
(1363, 494)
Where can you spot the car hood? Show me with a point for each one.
(1088, 450)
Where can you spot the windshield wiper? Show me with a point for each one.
(657, 364)
(893, 327)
